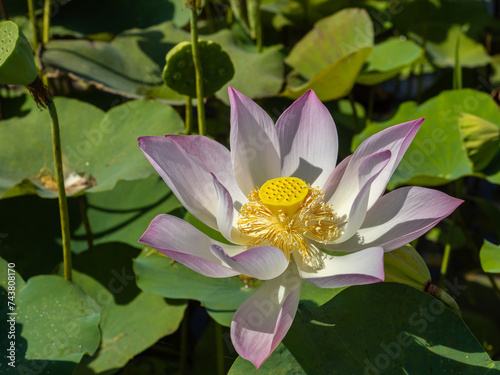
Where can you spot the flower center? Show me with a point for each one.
(288, 214)
(284, 194)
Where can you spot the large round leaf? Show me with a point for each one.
(377, 329)
(55, 325)
(95, 144)
(437, 155)
(131, 320)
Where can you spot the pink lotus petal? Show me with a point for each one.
(308, 140)
(263, 263)
(368, 172)
(254, 143)
(185, 244)
(225, 210)
(263, 320)
(395, 139)
(401, 216)
(362, 267)
(215, 157)
(185, 175)
(334, 179)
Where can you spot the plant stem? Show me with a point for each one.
(63, 203)
(46, 33)
(220, 349)
(198, 71)
(82, 202)
(46, 22)
(31, 9)
(457, 71)
(189, 114)
(447, 251)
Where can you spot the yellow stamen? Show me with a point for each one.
(288, 224)
(284, 194)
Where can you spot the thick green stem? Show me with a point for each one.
(63, 203)
(189, 114)
(31, 10)
(198, 71)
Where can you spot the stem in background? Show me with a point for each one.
(457, 71)
(31, 9)
(82, 202)
(198, 70)
(220, 349)
(354, 113)
(63, 203)
(46, 22)
(420, 82)
(5, 15)
(189, 114)
(447, 251)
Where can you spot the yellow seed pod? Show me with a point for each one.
(284, 194)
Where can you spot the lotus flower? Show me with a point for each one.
(280, 199)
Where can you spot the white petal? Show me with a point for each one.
(263, 262)
(182, 242)
(308, 140)
(399, 217)
(254, 143)
(263, 320)
(362, 267)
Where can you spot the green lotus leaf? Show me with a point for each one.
(131, 320)
(376, 329)
(55, 326)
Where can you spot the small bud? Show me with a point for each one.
(406, 266)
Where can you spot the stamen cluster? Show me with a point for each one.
(313, 220)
